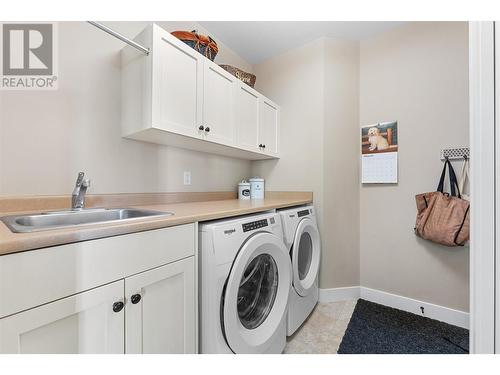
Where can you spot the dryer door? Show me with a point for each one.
(256, 294)
(306, 252)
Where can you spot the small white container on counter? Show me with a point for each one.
(256, 188)
(244, 190)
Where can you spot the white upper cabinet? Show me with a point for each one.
(218, 104)
(178, 76)
(178, 97)
(247, 117)
(269, 129)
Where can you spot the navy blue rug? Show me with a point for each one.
(378, 329)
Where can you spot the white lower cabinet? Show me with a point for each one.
(84, 323)
(135, 293)
(156, 315)
(161, 310)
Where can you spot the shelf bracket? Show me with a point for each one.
(120, 36)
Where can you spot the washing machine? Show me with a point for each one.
(245, 279)
(301, 236)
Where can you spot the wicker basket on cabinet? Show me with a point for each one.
(243, 76)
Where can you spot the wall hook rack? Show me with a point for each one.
(120, 36)
(455, 153)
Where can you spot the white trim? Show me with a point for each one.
(437, 312)
(197, 286)
(497, 187)
(482, 140)
(339, 294)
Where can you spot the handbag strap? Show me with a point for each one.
(453, 180)
(465, 174)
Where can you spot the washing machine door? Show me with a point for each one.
(256, 294)
(305, 254)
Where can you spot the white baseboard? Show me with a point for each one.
(339, 294)
(437, 312)
(441, 313)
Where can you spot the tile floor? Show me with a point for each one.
(322, 332)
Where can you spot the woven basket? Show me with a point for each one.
(243, 76)
(201, 43)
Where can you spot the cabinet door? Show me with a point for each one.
(269, 127)
(177, 85)
(83, 323)
(163, 319)
(218, 104)
(247, 117)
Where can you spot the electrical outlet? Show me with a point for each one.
(187, 178)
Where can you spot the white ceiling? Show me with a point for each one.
(257, 41)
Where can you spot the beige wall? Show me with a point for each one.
(295, 80)
(47, 137)
(341, 181)
(418, 75)
(316, 86)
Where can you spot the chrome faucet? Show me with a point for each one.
(78, 196)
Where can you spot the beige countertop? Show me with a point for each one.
(187, 208)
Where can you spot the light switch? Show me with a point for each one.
(187, 178)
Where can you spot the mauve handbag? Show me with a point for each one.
(441, 217)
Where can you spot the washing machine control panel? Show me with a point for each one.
(255, 225)
(303, 213)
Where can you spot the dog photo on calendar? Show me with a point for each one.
(379, 138)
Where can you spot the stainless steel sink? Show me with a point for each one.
(63, 219)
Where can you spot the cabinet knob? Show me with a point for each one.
(201, 127)
(207, 129)
(118, 306)
(135, 299)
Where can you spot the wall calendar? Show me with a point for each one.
(379, 153)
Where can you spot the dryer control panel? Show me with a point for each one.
(255, 225)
